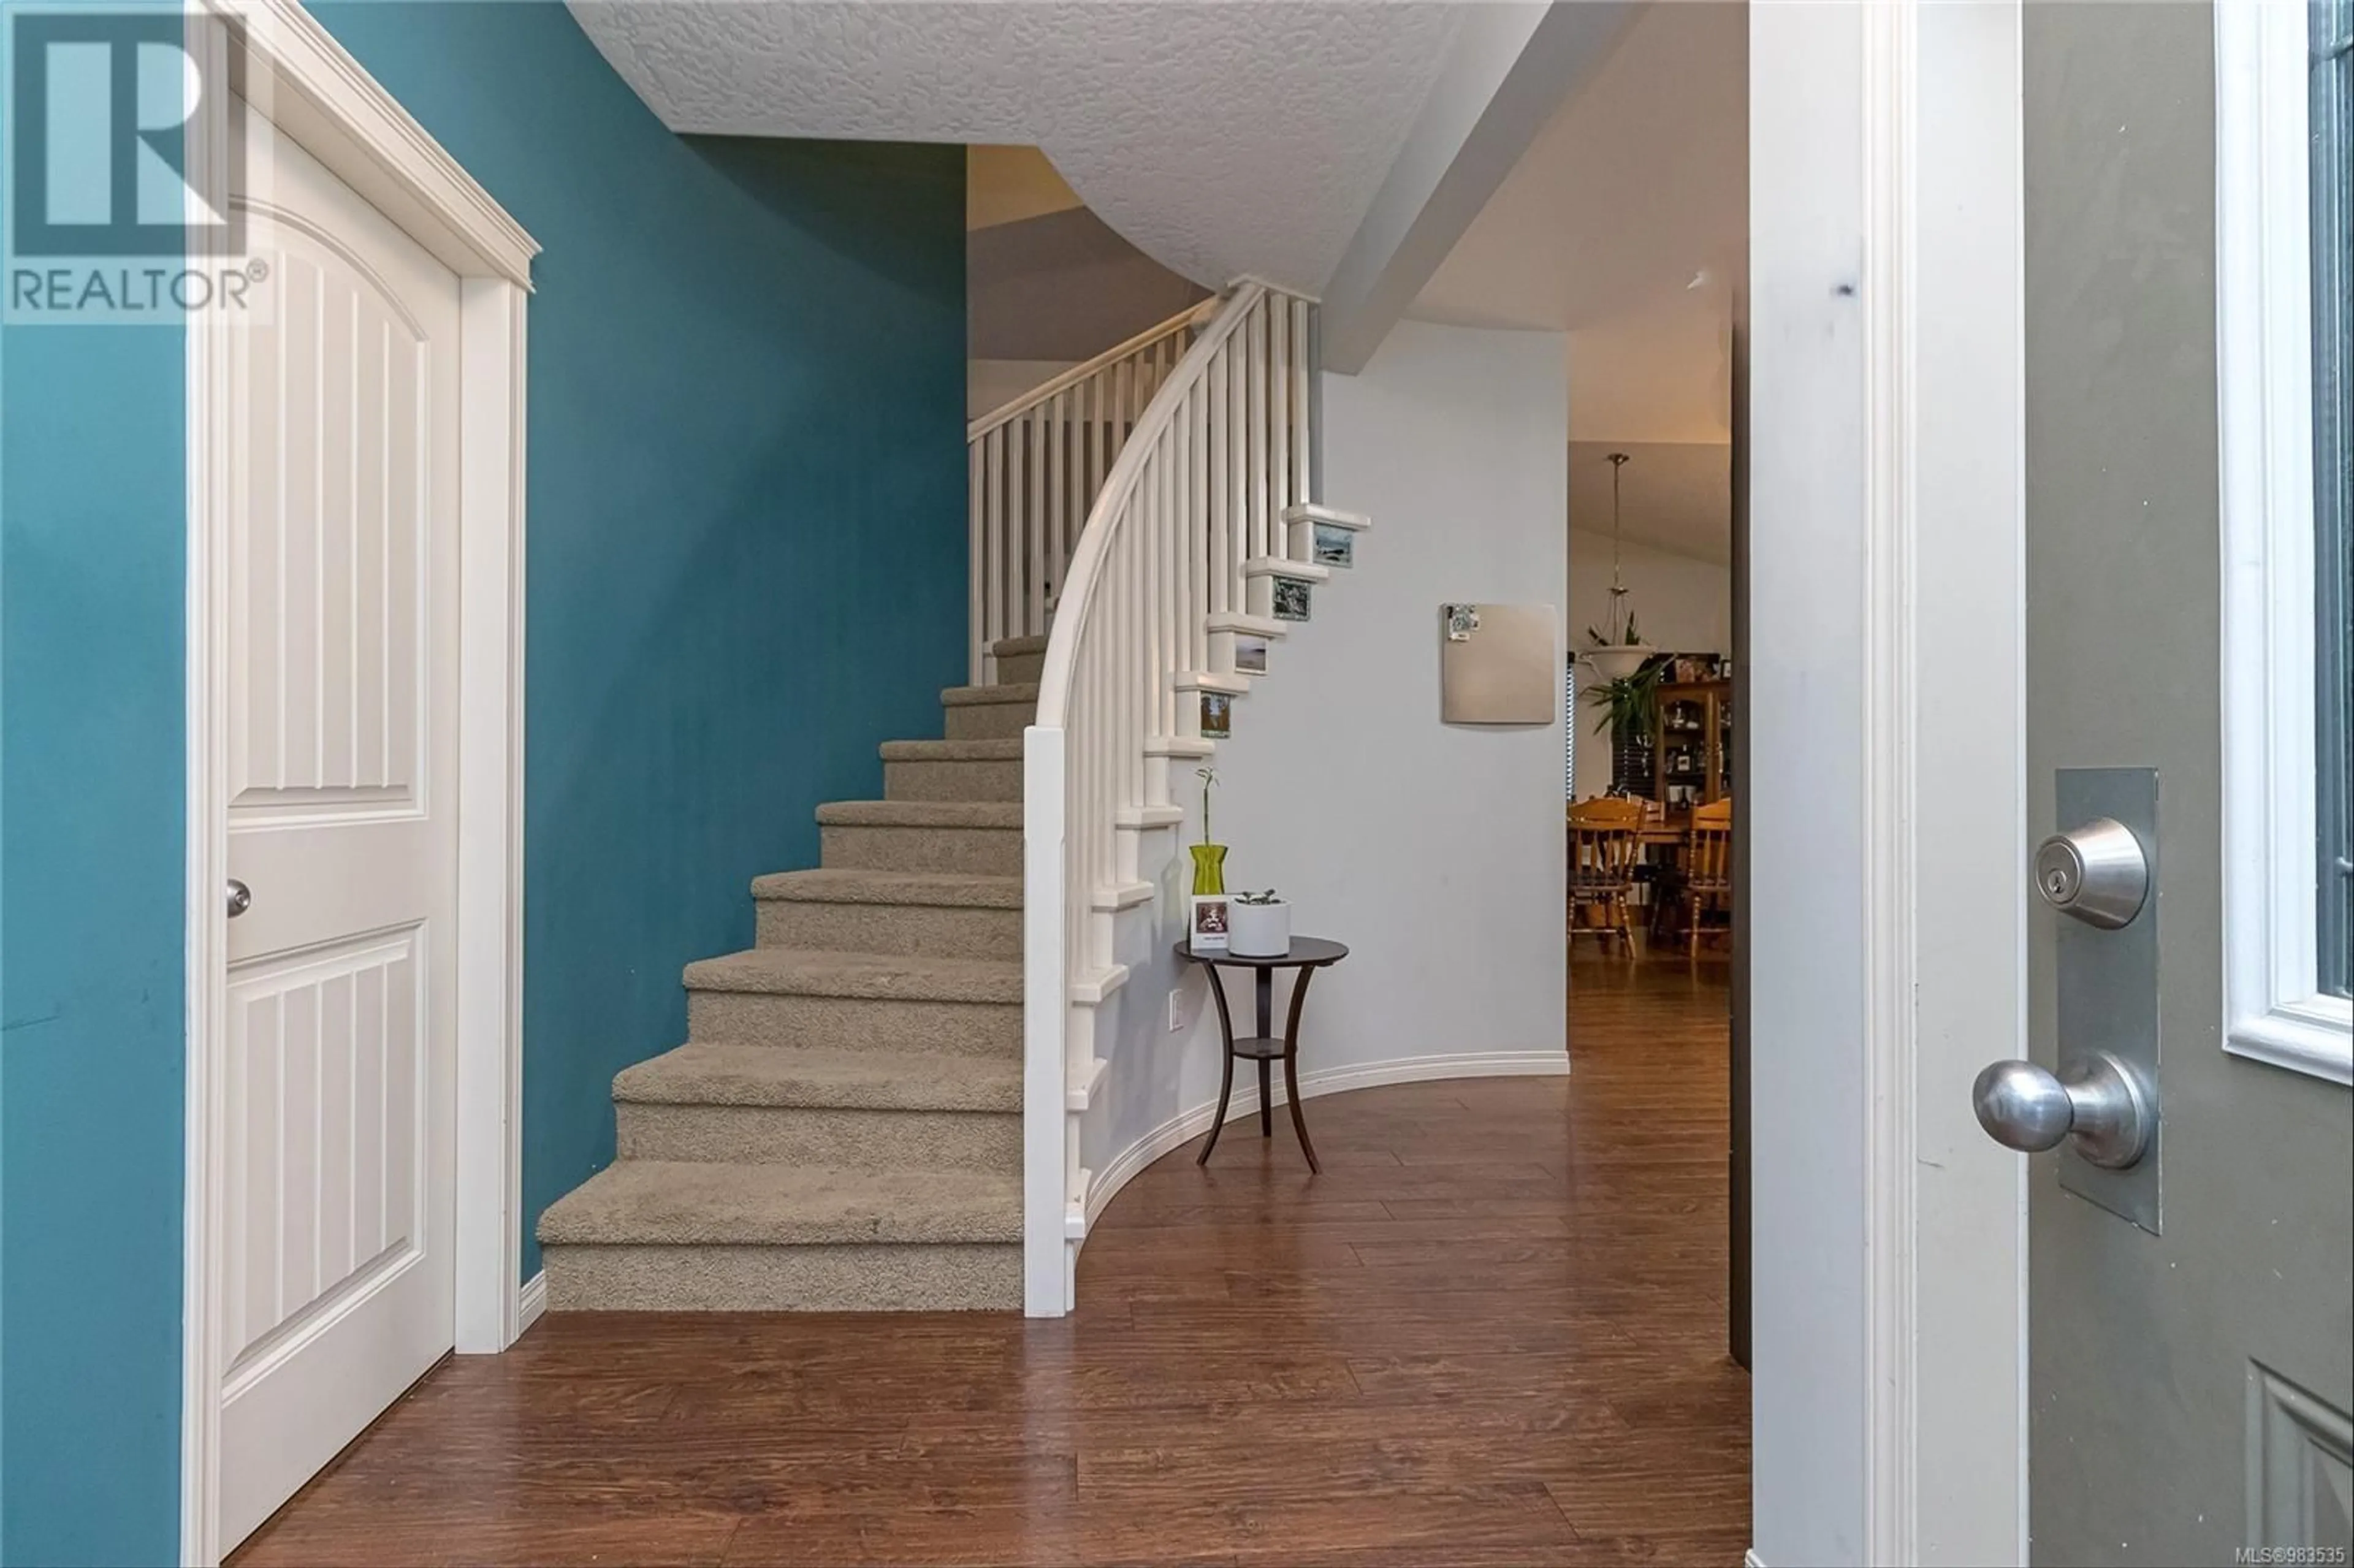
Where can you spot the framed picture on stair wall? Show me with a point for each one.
(1335, 545)
(1217, 716)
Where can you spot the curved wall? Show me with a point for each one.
(1434, 851)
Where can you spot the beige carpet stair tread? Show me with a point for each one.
(990, 697)
(659, 1202)
(716, 1074)
(937, 890)
(792, 971)
(952, 750)
(920, 814)
(1014, 647)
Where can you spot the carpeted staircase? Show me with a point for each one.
(842, 1129)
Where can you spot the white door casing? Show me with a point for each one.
(338, 1062)
(1886, 800)
(357, 760)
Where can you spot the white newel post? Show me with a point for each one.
(1046, 994)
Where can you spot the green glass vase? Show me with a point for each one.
(1209, 868)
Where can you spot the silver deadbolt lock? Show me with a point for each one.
(2098, 873)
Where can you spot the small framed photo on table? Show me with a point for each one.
(1206, 930)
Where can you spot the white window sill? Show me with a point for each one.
(2314, 1036)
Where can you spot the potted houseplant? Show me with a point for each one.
(1258, 925)
(1630, 713)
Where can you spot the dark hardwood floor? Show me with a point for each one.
(1491, 1335)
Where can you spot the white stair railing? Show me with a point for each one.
(1198, 519)
(1034, 466)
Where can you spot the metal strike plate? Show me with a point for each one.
(2107, 979)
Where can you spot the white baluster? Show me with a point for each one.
(1255, 462)
(1278, 424)
(1197, 522)
(975, 523)
(1221, 599)
(1303, 489)
(992, 625)
(1239, 460)
(1051, 531)
(1034, 525)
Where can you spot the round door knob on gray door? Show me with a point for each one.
(241, 898)
(2096, 872)
(2103, 1104)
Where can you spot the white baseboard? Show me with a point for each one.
(531, 1303)
(1190, 1124)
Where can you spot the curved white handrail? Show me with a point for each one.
(1045, 391)
(1180, 555)
(1105, 518)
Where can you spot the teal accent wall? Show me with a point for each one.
(745, 558)
(92, 864)
(745, 568)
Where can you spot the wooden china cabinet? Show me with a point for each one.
(1692, 746)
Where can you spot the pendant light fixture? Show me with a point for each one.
(1621, 655)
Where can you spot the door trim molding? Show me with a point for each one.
(293, 71)
(1891, 790)
(1886, 765)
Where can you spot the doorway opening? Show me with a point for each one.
(1625, 228)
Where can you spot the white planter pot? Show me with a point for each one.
(1258, 930)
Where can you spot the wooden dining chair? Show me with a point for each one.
(1708, 869)
(1602, 852)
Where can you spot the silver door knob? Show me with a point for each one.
(241, 898)
(2103, 1104)
(2098, 873)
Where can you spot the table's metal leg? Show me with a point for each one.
(1292, 1068)
(1226, 1079)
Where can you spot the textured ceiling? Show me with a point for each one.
(1220, 138)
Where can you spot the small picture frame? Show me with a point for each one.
(1217, 716)
(1250, 655)
(1334, 546)
(1207, 923)
(1290, 597)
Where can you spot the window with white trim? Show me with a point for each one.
(2282, 114)
(2330, 134)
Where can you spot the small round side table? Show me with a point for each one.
(1308, 955)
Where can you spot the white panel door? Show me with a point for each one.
(340, 654)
